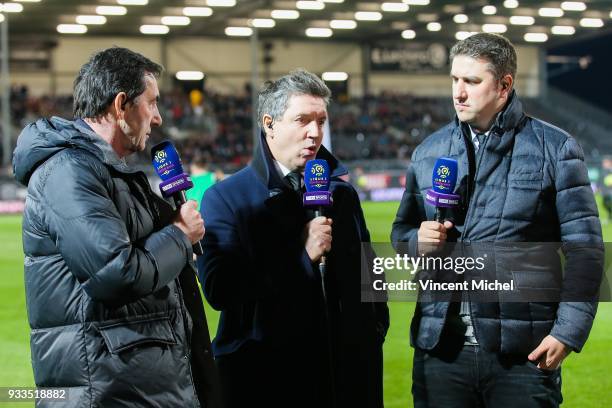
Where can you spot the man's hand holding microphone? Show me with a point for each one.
(175, 182)
(432, 234)
(190, 221)
(318, 233)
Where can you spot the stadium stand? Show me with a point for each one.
(387, 126)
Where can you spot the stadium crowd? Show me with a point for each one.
(218, 127)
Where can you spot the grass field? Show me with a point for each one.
(586, 379)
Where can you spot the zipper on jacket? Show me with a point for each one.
(472, 194)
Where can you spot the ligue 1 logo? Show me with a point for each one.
(316, 175)
(164, 167)
(160, 156)
(443, 179)
(166, 160)
(317, 171)
(443, 172)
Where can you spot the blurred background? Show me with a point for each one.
(387, 65)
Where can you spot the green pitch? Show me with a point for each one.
(586, 382)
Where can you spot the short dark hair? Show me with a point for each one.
(107, 73)
(275, 95)
(494, 48)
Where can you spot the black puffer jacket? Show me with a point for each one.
(527, 183)
(112, 299)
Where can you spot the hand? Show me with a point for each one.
(318, 237)
(431, 234)
(549, 354)
(190, 221)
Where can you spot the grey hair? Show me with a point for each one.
(494, 48)
(274, 97)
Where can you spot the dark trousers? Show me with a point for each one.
(468, 376)
(262, 376)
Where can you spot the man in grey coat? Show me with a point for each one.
(520, 180)
(113, 302)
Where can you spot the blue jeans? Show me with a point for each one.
(472, 377)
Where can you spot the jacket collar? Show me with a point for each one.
(44, 138)
(507, 119)
(102, 149)
(263, 164)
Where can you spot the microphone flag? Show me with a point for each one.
(169, 168)
(443, 181)
(316, 181)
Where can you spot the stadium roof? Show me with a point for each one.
(431, 20)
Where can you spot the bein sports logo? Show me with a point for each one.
(317, 197)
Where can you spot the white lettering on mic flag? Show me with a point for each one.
(315, 197)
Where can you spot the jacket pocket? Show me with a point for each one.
(536, 280)
(537, 286)
(523, 197)
(526, 175)
(528, 180)
(125, 335)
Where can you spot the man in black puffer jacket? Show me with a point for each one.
(521, 180)
(113, 302)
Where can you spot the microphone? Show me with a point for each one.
(443, 180)
(318, 196)
(175, 181)
(316, 181)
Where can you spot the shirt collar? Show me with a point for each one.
(283, 171)
(474, 134)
